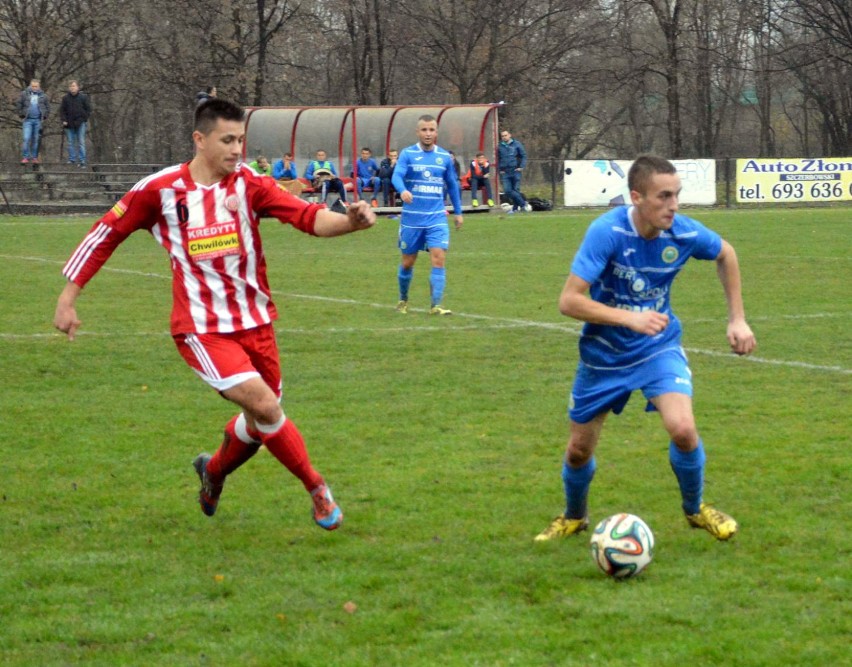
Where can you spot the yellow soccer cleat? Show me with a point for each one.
(474, 203)
(562, 526)
(718, 524)
(402, 307)
(439, 310)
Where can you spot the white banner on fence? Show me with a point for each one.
(604, 182)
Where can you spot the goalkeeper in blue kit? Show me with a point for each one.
(421, 175)
(619, 285)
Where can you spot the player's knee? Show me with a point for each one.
(578, 453)
(266, 410)
(683, 433)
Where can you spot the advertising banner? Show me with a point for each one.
(604, 182)
(773, 180)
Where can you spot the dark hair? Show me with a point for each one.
(211, 110)
(426, 117)
(643, 168)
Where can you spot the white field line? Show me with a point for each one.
(494, 322)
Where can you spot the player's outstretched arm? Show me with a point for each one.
(739, 333)
(65, 318)
(359, 215)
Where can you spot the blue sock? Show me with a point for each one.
(577, 482)
(688, 467)
(404, 276)
(437, 282)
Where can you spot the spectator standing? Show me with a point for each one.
(367, 170)
(386, 174)
(479, 170)
(323, 177)
(33, 108)
(74, 111)
(206, 214)
(511, 161)
(204, 95)
(422, 175)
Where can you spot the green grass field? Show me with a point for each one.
(442, 439)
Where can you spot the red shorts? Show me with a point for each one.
(226, 360)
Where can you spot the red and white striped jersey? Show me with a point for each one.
(211, 233)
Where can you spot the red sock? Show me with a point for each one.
(287, 445)
(234, 450)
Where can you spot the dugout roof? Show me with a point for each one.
(341, 132)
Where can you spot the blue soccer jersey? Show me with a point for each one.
(630, 272)
(425, 174)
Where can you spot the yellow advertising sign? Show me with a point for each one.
(771, 180)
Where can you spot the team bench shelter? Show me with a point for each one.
(465, 129)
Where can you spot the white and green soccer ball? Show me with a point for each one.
(622, 545)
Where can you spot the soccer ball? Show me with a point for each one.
(528, 207)
(622, 545)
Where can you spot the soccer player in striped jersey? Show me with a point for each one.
(206, 214)
(620, 285)
(420, 176)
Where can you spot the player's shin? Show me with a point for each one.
(286, 444)
(688, 467)
(577, 482)
(237, 447)
(437, 283)
(404, 276)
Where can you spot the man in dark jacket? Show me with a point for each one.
(201, 97)
(511, 160)
(74, 113)
(33, 108)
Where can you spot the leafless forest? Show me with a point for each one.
(580, 78)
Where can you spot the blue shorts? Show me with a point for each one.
(596, 390)
(414, 239)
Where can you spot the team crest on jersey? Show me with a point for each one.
(232, 203)
(439, 160)
(670, 254)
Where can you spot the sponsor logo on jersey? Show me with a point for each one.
(670, 254)
(212, 241)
